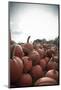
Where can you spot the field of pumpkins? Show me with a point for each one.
(33, 64)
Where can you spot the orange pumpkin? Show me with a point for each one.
(25, 80)
(45, 81)
(16, 69)
(35, 57)
(27, 63)
(16, 50)
(36, 72)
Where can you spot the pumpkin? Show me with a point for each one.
(27, 63)
(45, 81)
(36, 72)
(35, 57)
(16, 69)
(25, 80)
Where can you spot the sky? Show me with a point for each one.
(40, 21)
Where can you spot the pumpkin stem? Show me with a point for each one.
(28, 39)
(51, 59)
